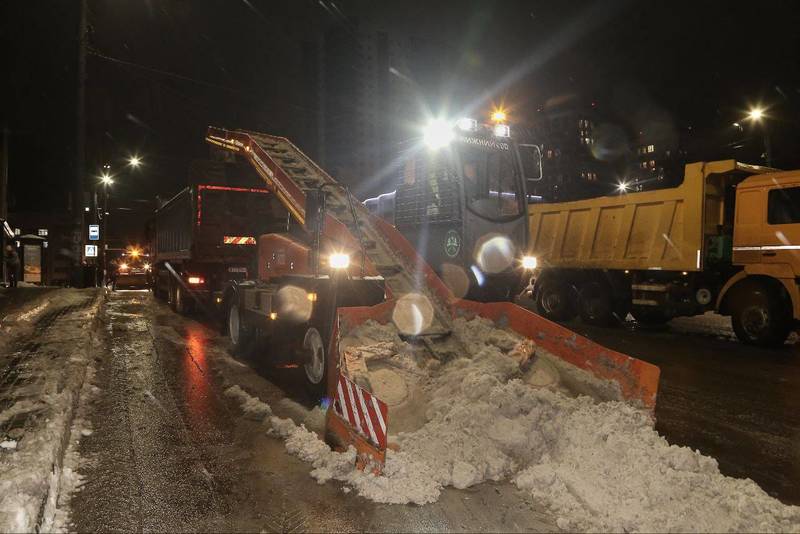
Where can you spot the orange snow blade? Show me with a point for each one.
(637, 379)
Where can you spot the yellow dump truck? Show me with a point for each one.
(726, 239)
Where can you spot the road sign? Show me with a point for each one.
(94, 232)
(90, 251)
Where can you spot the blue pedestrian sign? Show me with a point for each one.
(90, 251)
(94, 232)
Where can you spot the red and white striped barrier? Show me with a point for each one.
(238, 240)
(362, 410)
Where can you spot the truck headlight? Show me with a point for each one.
(502, 130)
(438, 134)
(339, 261)
(529, 263)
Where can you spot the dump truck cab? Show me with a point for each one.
(766, 246)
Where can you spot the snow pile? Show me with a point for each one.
(597, 466)
(44, 401)
(251, 406)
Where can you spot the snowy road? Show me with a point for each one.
(737, 403)
(161, 448)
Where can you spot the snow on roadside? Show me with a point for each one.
(596, 465)
(31, 471)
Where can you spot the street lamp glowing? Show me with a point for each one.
(756, 114)
(622, 187)
(134, 162)
(106, 179)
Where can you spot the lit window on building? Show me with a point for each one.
(652, 164)
(651, 149)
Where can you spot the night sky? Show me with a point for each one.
(159, 72)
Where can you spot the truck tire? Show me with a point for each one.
(555, 300)
(158, 292)
(760, 315)
(181, 299)
(239, 335)
(596, 304)
(315, 368)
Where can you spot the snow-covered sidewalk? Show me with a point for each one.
(43, 360)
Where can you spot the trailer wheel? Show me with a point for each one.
(237, 333)
(554, 300)
(315, 367)
(596, 304)
(760, 315)
(183, 305)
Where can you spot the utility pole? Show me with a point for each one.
(4, 177)
(4, 197)
(80, 146)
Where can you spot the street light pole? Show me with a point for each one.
(756, 116)
(107, 181)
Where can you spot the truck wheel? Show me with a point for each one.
(760, 316)
(237, 333)
(181, 299)
(554, 300)
(315, 367)
(596, 304)
(159, 293)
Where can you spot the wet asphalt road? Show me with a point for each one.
(169, 452)
(737, 403)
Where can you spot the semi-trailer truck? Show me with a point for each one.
(727, 239)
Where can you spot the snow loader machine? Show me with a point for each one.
(331, 265)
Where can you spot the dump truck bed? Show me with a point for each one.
(666, 229)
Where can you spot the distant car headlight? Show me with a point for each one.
(529, 263)
(339, 261)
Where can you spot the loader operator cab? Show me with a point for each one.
(461, 201)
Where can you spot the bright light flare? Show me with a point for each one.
(106, 179)
(292, 304)
(466, 124)
(502, 130)
(494, 253)
(146, 266)
(413, 314)
(530, 262)
(195, 280)
(622, 187)
(755, 114)
(438, 134)
(135, 162)
(499, 115)
(123, 266)
(339, 260)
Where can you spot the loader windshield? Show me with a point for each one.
(492, 182)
